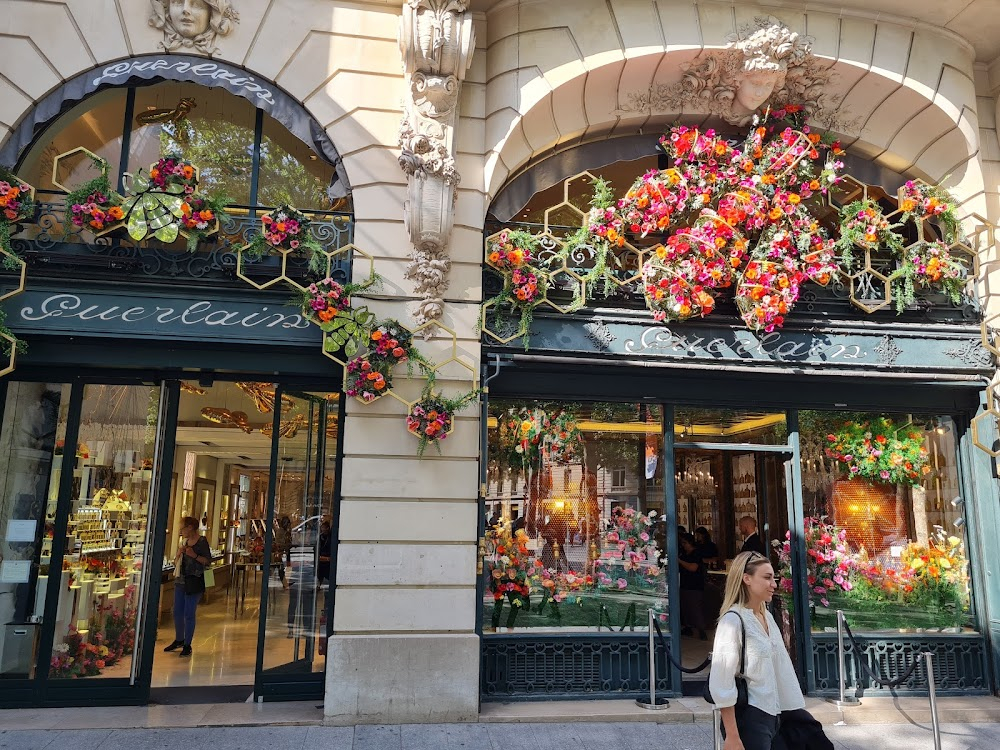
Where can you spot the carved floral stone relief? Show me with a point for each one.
(764, 63)
(193, 25)
(436, 40)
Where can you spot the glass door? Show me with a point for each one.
(31, 445)
(104, 517)
(294, 625)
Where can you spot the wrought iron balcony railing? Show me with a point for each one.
(51, 251)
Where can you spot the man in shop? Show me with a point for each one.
(751, 539)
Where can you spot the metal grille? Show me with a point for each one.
(960, 666)
(52, 252)
(568, 666)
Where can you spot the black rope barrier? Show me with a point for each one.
(878, 680)
(670, 658)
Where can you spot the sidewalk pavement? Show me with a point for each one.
(879, 724)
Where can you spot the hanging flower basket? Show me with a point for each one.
(766, 292)
(432, 418)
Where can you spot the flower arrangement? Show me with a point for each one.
(200, 217)
(513, 253)
(628, 544)
(369, 377)
(432, 418)
(510, 566)
(864, 225)
(112, 637)
(879, 451)
(174, 174)
(731, 207)
(95, 205)
(921, 202)
(285, 230)
(828, 560)
(528, 436)
(17, 204)
(929, 265)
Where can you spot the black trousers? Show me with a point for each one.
(758, 729)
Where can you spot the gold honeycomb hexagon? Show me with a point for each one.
(576, 284)
(11, 342)
(988, 420)
(496, 336)
(67, 154)
(575, 218)
(846, 190)
(283, 276)
(981, 235)
(630, 260)
(386, 392)
(350, 251)
(989, 327)
(11, 258)
(868, 279)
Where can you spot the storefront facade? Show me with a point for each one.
(411, 133)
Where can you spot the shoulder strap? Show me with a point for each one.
(743, 643)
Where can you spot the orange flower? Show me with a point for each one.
(908, 204)
(187, 171)
(814, 184)
(115, 212)
(327, 314)
(775, 214)
(376, 335)
(794, 198)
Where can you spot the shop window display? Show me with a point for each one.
(105, 555)
(884, 527)
(570, 544)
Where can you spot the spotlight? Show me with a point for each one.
(959, 523)
(957, 502)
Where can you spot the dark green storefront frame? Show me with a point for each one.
(572, 375)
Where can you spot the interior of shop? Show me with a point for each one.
(221, 477)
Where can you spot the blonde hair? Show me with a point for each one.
(736, 590)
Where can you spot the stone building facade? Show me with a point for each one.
(434, 107)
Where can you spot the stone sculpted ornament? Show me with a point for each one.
(436, 40)
(192, 24)
(764, 63)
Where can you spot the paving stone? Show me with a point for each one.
(650, 736)
(216, 738)
(445, 737)
(377, 737)
(539, 736)
(330, 738)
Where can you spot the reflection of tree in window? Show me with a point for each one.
(286, 179)
(222, 151)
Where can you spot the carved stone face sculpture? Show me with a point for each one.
(190, 17)
(755, 88)
(193, 24)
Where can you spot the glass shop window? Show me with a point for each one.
(884, 528)
(574, 506)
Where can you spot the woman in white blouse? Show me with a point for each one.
(772, 686)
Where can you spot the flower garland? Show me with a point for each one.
(879, 451)
(432, 418)
(929, 265)
(513, 254)
(174, 174)
(17, 204)
(327, 303)
(921, 202)
(284, 230)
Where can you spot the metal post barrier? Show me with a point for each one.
(844, 700)
(717, 728)
(933, 696)
(652, 703)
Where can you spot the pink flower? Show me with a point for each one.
(622, 583)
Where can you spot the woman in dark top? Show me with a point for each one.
(192, 558)
(692, 570)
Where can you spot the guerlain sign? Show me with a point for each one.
(924, 348)
(159, 317)
(202, 71)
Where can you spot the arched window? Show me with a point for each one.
(242, 152)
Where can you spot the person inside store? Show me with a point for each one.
(193, 556)
(692, 575)
(708, 549)
(751, 539)
(749, 644)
